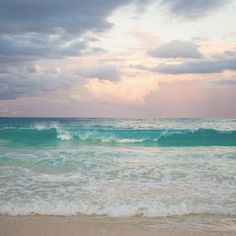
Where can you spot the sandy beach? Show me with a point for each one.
(104, 226)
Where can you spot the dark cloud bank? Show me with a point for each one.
(35, 29)
(40, 29)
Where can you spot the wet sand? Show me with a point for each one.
(106, 226)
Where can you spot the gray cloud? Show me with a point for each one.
(139, 67)
(28, 81)
(49, 16)
(75, 17)
(189, 9)
(108, 72)
(226, 54)
(203, 66)
(225, 81)
(33, 81)
(176, 49)
(33, 46)
(32, 29)
(36, 30)
(218, 63)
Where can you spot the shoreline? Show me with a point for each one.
(37, 225)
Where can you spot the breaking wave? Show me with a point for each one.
(53, 135)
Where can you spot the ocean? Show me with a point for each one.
(117, 167)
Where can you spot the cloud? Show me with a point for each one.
(225, 81)
(108, 72)
(226, 54)
(36, 80)
(176, 49)
(50, 16)
(32, 82)
(32, 30)
(126, 90)
(28, 47)
(203, 66)
(140, 67)
(218, 63)
(192, 9)
(73, 17)
(35, 46)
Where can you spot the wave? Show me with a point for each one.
(54, 135)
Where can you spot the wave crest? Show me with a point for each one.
(52, 134)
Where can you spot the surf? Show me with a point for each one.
(111, 136)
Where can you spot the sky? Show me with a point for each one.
(118, 58)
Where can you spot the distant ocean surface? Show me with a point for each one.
(117, 167)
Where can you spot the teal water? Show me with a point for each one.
(117, 167)
(162, 132)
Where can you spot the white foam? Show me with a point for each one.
(64, 135)
(45, 125)
(130, 140)
(111, 208)
(118, 182)
(61, 134)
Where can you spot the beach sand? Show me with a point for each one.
(107, 226)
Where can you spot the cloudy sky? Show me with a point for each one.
(118, 58)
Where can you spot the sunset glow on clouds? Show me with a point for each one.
(134, 58)
(125, 90)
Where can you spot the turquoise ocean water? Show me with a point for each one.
(117, 167)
